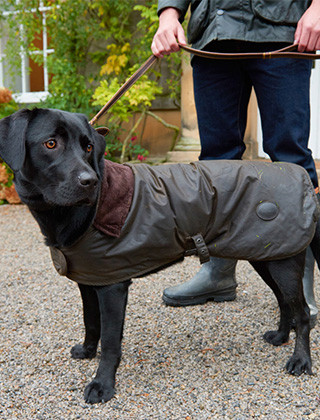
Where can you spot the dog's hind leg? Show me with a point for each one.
(287, 276)
(91, 318)
(112, 301)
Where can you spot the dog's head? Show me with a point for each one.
(55, 155)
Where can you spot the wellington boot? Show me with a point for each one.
(214, 281)
(308, 288)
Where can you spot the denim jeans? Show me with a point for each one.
(222, 90)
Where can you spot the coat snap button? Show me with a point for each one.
(267, 210)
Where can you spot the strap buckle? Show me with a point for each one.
(200, 249)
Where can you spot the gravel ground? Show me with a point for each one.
(202, 362)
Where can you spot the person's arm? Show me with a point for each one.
(169, 33)
(307, 34)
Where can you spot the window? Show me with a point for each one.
(32, 83)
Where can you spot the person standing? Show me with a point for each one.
(222, 89)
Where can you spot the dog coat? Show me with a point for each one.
(149, 217)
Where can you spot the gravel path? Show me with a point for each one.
(202, 362)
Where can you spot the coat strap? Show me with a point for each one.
(200, 248)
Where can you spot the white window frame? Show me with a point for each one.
(25, 96)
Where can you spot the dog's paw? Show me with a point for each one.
(297, 365)
(97, 392)
(81, 352)
(276, 338)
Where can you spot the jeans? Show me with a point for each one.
(222, 90)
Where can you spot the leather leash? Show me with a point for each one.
(131, 81)
(287, 52)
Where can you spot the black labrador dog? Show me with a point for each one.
(57, 158)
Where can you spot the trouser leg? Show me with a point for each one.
(282, 89)
(222, 91)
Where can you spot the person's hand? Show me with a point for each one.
(169, 33)
(307, 34)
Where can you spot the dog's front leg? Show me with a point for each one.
(91, 318)
(112, 302)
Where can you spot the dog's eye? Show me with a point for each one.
(50, 144)
(89, 148)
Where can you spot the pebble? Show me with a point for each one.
(196, 363)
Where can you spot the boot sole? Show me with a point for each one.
(198, 300)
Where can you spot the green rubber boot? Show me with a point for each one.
(308, 289)
(214, 281)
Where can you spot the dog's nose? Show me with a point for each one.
(88, 180)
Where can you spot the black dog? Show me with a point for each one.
(57, 158)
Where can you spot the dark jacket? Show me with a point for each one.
(252, 20)
(231, 209)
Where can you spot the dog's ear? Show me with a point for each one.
(104, 131)
(12, 138)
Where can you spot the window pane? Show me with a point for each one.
(36, 77)
(36, 70)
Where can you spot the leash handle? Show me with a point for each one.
(131, 81)
(287, 52)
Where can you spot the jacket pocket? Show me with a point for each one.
(200, 15)
(281, 12)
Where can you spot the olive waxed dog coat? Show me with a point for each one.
(149, 217)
